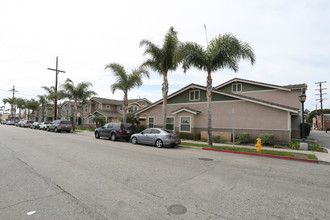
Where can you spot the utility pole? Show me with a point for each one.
(12, 105)
(57, 71)
(321, 100)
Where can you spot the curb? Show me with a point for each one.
(264, 155)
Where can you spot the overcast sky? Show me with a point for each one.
(291, 40)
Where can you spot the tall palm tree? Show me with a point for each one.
(224, 51)
(52, 95)
(20, 105)
(12, 102)
(78, 94)
(126, 82)
(33, 105)
(162, 59)
(43, 102)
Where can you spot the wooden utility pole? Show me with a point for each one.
(12, 105)
(57, 71)
(321, 100)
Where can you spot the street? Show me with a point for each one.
(322, 137)
(75, 176)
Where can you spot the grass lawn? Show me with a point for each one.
(280, 153)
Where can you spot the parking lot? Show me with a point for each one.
(75, 176)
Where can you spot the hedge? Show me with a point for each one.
(242, 137)
(267, 139)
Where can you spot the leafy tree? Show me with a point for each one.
(313, 113)
(224, 51)
(130, 119)
(99, 120)
(78, 94)
(126, 82)
(20, 105)
(33, 105)
(162, 59)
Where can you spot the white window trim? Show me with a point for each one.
(100, 106)
(199, 95)
(107, 106)
(235, 84)
(154, 121)
(173, 121)
(86, 105)
(189, 126)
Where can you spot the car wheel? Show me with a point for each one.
(113, 137)
(134, 140)
(159, 143)
(68, 131)
(55, 129)
(97, 135)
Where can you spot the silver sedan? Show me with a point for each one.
(156, 136)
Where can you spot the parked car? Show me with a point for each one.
(156, 136)
(60, 125)
(114, 131)
(26, 123)
(4, 121)
(44, 125)
(35, 125)
(10, 122)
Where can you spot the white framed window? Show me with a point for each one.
(151, 122)
(194, 95)
(86, 108)
(237, 87)
(107, 106)
(100, 106)
(185, 124)
(170, 123)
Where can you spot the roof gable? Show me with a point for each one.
(249, 85)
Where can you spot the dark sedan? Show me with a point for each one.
(156, 136)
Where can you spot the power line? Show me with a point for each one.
(321, 100)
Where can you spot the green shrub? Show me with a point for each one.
(216, 138)
(278, 146)
(189, 136)
(267, 139)
(294, 145)
(204, 139)
(242, 137)
(315, 147)
(223, 141)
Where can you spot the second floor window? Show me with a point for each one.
(194, 95)
(86, 108)
(108, 106)
(237, 87)
(100, 106)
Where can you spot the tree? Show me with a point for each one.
(78, 94)
(162, 60)
(33, 105)
(43, 102)
(52, 95)
(20, 105)
(12, 102)
(126, 82)
(99, 120)
(224, 51)
(313, 114)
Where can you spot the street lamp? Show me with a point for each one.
(302, 99)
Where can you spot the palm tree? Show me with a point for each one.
(162, 60)
(52, 95)
(43, 102)
(222, 52)
(12, 102)
(20, 105)
(33, 105)
(79, 94)
(126, 82)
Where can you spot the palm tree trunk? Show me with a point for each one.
(165, 92)
(74, 115)
(125, 106)
(209, 113)
(43, 113)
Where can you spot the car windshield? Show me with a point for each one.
(127, 125)
(66, 122)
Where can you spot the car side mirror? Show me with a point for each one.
(142, 132)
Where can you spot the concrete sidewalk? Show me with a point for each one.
(322, 157)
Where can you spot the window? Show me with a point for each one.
(100, 106)
(237, 87)
(108, 106)
(155, 131)
(194, 95)
(132, 109)
(147, 131)
(86, 108)
(121, 107)
(170, 123)
(185, 124)
(151, 121)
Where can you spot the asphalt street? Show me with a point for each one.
(75, 176)
(322, 137)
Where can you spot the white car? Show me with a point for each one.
(44, 125)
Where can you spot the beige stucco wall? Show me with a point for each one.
(278, 96)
